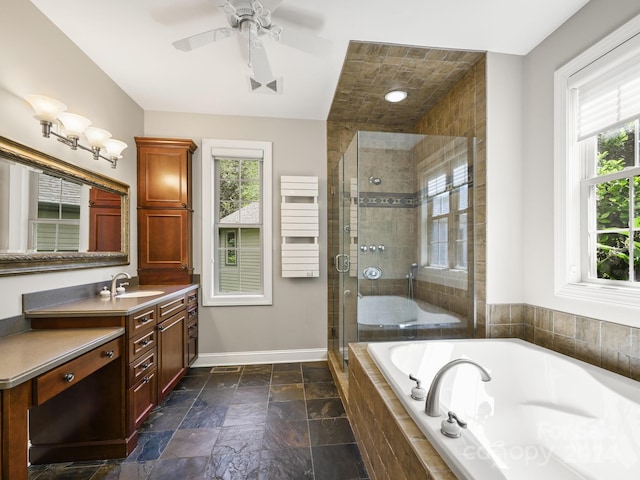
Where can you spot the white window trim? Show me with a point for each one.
(567, 170)
(245, 149)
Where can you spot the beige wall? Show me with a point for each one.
(35, 57)
(596, 20)
(297, 319)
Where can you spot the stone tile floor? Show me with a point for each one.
(253, 422)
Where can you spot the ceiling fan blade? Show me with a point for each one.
(260, 63)
(299, 16)
(184, 12)
(270, 5)
(296, 38)
(201, 39)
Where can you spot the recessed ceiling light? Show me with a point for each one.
(395, 96)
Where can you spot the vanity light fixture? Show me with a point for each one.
(50, 111)
(395, 96)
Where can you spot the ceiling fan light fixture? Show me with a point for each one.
(395, 96)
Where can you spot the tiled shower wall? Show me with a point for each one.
(391, 226)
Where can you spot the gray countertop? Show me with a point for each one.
(99, 306)
(26, 355)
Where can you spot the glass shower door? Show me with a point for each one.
(346, 262)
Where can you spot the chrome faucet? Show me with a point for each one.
(432, 405)
(113, 281)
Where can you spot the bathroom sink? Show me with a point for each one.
(141, 293)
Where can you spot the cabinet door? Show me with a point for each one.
(171, 345)
(143, 396)
(163, 177)
(164, 237)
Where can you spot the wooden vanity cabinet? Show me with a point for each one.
(164, 210)
(159, 344)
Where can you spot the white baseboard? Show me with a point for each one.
(251, 358)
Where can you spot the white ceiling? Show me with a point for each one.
(131, 40)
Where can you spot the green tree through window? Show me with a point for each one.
(618, 206)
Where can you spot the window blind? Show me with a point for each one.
(608, 90)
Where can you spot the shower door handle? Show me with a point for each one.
(345, 263)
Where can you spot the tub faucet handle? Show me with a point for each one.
(451, 427)
(417, 392)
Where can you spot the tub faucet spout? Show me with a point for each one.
(432, 405)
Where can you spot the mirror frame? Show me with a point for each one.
(23, 263)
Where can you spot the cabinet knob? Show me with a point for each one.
(109, 354)
(146, 379)
(161, 328)
(184, 267)
(144, 343)
(144, 320)
(69, 377)
(184, 205)
(145, 365)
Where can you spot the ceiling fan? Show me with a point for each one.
(250, 21)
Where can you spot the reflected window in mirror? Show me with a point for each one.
(58, 216)
(47, 213)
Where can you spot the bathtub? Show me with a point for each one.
(401, 312)
(542, 416)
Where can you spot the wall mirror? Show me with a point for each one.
(57, 216)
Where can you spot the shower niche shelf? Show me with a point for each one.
(299, 220)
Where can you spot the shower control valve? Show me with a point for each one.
(381, 248)
(373, 248)
(363, 248)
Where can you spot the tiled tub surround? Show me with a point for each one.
(391, 444)
(603, 344)
(253, 422)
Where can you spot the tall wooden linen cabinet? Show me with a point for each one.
(164, 210)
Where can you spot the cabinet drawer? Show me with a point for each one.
(192, 314)
(141, 344)
(142, 366)
(192, 299)
(141, 399)
(141, 321)
(171, 307)
(59, 379)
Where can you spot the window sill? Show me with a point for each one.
(601, 293)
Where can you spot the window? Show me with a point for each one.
(611, 198)
(55, 226)
(236, 222)
(597, 169)
(446, 219)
